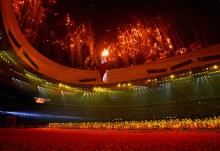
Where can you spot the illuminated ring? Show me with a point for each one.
(36, 60)
(62, 73)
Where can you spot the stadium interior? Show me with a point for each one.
(34, 88)
(109, 75)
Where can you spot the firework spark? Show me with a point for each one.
(137, 42)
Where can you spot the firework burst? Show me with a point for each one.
(137, 42)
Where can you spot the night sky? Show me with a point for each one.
(106, 15)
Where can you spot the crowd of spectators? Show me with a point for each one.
(206, 123)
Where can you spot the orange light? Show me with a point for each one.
(172, 76)
(170, 46)
(39, 100)
(105, 53)
(215, 67)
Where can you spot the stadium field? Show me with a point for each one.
(43, 139)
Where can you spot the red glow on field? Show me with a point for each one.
(64, 139)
